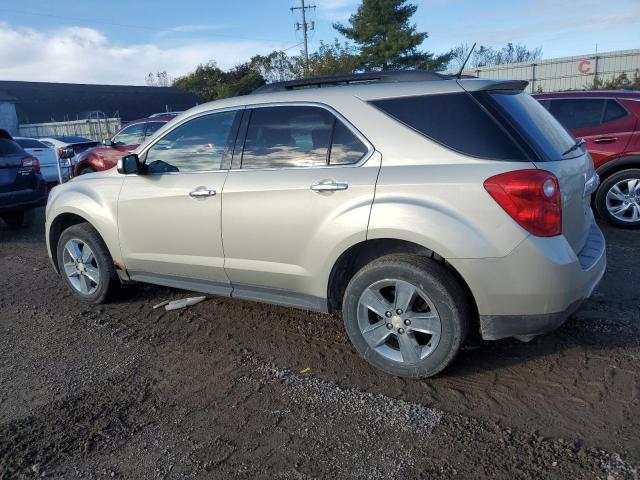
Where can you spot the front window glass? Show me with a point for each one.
(131, 135)
(197, 145)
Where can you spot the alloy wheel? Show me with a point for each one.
(623, 200)
(81, 266)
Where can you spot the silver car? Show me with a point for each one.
(421, 206)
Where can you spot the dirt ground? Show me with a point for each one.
(215, 391)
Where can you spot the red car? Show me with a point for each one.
(609, 122)
(105, 156)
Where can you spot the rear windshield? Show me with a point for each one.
(539, 128)
(30, 143)
(9, 147)
(456, 121)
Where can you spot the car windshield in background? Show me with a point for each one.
(30, 143)
(73, 139)
(540, 129)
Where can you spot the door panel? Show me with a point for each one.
(279, 233)
(165, 230)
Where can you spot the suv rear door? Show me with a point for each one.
(604, 123)
(301, 187)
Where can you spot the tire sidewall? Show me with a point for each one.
(85, 234)
(439, 293)
(601, 197)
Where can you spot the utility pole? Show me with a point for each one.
(305, 28)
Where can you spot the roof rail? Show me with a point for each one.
(389, 76)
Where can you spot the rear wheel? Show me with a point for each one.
(406, 315)
(85, 263)
(19, 218)
(618, 199)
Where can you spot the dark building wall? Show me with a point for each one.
(38, 102)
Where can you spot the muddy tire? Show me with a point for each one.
(86, 264)
(406, 315)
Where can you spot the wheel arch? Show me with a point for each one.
(617, 165)
(361, 253)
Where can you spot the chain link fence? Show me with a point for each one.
(95, 128)
(568, 73)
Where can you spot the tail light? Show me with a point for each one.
(531, 198)
(29, 164)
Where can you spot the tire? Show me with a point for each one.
(98, 267)
(86, 169)
(433, 352)
(19, 218)
(606, 199)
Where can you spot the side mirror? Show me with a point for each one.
(66, 152)
(130, 164)
(107, 142)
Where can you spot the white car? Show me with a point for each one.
(77, 143)
(48, 158)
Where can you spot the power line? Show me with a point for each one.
(305, 27)
(126, 25)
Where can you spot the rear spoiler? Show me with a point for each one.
(476, 85)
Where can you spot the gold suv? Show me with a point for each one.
(419, 205)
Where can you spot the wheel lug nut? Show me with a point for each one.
(389, 326)
(388, 314)
(401, 331)
(407, 322)
(399, 312)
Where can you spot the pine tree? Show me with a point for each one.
(381, 29)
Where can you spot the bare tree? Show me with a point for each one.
(158, 79)
(489, 56)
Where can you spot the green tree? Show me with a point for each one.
(386, 38)
(331, 59)
(620, 82)
(209, 82)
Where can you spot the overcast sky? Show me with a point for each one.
(119, 41)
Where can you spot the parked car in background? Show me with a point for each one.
(419, 205)
(105, 156)
(48, 158)
(164, 114)
(22, 187)
(609, 122)
(68, 148)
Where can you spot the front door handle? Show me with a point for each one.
(605, 140)
(202, 192)
(329, 186)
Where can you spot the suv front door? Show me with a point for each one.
(301, 188)
(169, 217)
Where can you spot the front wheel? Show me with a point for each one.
(618, 199)
(85, 263)
(406, 315)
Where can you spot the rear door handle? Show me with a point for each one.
(329, 186)
(202, 192)
(605, 140)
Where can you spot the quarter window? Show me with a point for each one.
(197, 145)
(456, 121)
(298, 136)
(131, 135)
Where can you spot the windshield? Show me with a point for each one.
(539, 128)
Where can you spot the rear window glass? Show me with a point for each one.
(578, 112)
(346, 148)
(538, 127)
(30, 143)
(456, 121)
(9, 147)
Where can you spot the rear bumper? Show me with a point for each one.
(24, 199)
(537, 287)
